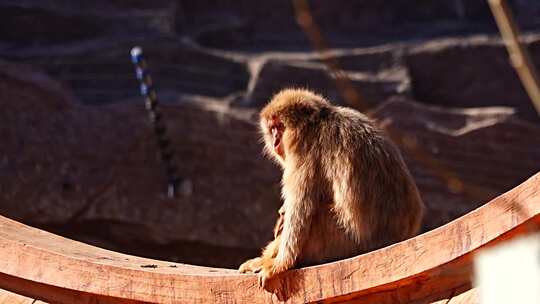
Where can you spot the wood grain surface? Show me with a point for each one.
(434, 266)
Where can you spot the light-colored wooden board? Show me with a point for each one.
(41, 265)
(467, 297)
(7, 297)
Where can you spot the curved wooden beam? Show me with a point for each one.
(435, 265)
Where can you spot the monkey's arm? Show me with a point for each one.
(269, 252)
(300, 193)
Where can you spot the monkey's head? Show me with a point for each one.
(286, 115)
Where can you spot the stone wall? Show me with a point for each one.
(79, 157)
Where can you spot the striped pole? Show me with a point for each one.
(160, 130)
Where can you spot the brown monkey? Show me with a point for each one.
(345, 186)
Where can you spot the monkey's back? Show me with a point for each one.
(374, 199)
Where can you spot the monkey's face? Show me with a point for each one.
(273, 130)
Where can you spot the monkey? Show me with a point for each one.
(345, 187)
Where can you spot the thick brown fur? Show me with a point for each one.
(345, 186)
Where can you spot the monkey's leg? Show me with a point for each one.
(279, 224)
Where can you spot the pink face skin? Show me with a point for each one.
(275, 129)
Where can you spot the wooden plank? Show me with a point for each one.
(7, 297)
(38, 264)
(467, 297)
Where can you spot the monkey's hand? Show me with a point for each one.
(253, 265)
(269, 278)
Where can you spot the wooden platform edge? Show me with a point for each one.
(424, 269)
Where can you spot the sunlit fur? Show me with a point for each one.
(345, 186)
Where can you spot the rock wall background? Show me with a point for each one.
(78, 156)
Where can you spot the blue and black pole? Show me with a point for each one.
(160, 130)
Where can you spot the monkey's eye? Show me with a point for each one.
(273, 130)
(276, 129)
